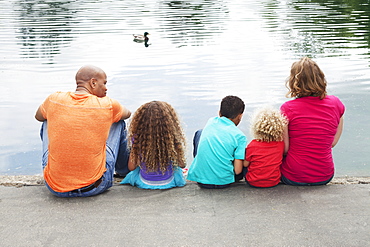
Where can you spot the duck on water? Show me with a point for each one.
(141, 38)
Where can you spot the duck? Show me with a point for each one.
(141, 38)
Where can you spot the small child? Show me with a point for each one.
(219, 148)
(264, 154)
(157, 148)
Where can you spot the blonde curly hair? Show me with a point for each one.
(156, 137)
(306, 79)
(268, 125)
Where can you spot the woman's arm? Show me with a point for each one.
(286, 139)
(339, 132)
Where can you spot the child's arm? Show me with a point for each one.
(131, 165)
(238, 166)
(286, 139)
(339, 132)
(182, 165)
(246, 163)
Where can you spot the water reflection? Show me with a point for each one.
(193, 22)
(320, 27)
(44, 27)
(23, 162)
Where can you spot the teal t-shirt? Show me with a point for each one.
(220, 143)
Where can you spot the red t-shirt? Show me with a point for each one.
(265, 159)
(78, 128)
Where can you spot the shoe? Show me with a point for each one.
(116, 175)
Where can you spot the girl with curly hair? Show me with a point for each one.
(264, 154)
(157, 148)
(315, 126)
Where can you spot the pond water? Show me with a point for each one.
(199, 51)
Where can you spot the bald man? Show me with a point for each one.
(84, 137)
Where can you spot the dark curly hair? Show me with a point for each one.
(156, 136)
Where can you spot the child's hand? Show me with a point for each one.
(185, 172)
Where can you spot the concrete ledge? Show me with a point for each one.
(30, 180)
(332, 215)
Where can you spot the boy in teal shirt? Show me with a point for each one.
(219, 148)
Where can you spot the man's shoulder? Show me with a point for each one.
(57, 95)
(83, 99)
(113, 101)
(104, 101)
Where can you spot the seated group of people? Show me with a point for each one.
(86, 142)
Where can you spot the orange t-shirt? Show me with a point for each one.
(78, 128)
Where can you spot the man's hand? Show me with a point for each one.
(39, 115)
(126, 113)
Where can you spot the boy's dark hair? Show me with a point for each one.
(231, 106)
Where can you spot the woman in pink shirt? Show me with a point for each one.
(315, 126)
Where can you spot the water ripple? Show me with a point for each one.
(198, 52)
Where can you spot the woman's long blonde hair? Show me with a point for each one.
(268, 125)
(156, 137)
(306, 79)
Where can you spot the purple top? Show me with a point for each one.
(156, 176)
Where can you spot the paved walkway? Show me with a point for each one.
(332, 215)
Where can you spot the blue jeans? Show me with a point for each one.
(117, 156)
(290, 182)
(213, 186)
(196, 138)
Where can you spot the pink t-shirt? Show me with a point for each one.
(312, 126)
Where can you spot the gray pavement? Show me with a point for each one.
(332, 215)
